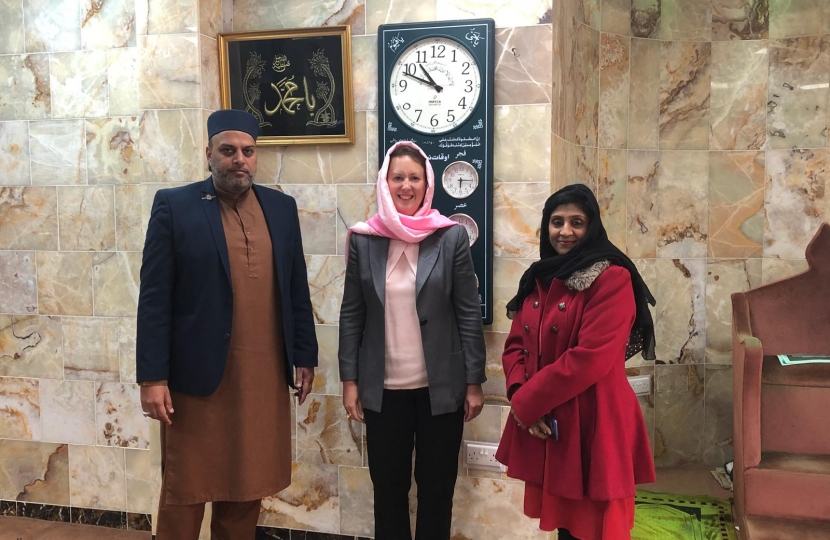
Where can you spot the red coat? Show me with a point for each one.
(565, 356)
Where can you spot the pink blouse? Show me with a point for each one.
(405, 365)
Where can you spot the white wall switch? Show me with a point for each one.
(481, 455)
(640, 384)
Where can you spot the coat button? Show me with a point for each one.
(554, 329)
(230, 302)
(526, 352)
(423, 322)
(561, 306)
(227, 336)
(527, 376)
(535, 304)
(527, 329)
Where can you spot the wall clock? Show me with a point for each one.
(435, 88)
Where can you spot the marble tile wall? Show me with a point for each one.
(710, 165)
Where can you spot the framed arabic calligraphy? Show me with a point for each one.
(297, 82)
(435, 87)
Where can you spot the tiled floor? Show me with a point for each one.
(16, 528)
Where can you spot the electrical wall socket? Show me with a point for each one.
(640, 384)
(481, 455)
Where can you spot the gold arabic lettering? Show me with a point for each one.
(284, 89)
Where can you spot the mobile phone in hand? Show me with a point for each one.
(553, 425)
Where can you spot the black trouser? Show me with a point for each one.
(565, 534)
(405, 422)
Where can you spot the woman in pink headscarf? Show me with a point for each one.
(411, 346)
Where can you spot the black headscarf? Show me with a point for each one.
(593, 247)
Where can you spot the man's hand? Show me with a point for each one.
(304, 378)
(155, 400)
(474, 402)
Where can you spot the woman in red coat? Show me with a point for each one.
(577, 437)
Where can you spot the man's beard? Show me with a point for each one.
(227, 182)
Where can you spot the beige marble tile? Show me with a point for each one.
(122, 76)
(616, 17)
(143, 474)
(327, 164)
(724, 277)
(581, 108)
(118, 418)
(790, 18)
(736, 204)
(561, 57)
(680, 415)
(740, 19)
(773, 270)
(365, 72)
(645, 18)
(317, 206)
(269, 163)
(324, 435)
(209, 75)
(11, 28)
(34, 472)
(90, 348)
(641, 204)
(67, 411)
(263, 14)
(794, 200)
(587, 12)
(115, 281)
(18, 282)
(505, 14)
(614, 85)
(644, 98)
(64, 283)
(391, 11)
(489, 509)
(718, 420)
(52, 25)
(107, 25)
(20, 408)
(517, 214)
(132, 212)
(523, 59)
(506, 275)
(327, 374)
(680, 314)
(112, 150)
(326, 274)
(354, 203)
(312, 502)
(30, 346)
(356, 501)
(739, 95)
(486, 427)
(171, 145)
(156, 17)
(14, 154)
(612, 187)
(86, 216)
(24, 90)
(97, 477)
(58, 152)
(683, 209)
(169, 67)
(495, 390)
(126, 348)
(210, 17)
(799, 74)
(518, 128)
(685, 20)
(685, 88)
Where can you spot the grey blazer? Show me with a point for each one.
(448, 310)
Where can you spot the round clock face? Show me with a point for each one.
(435, 85)
(460, 179)
(469, 224)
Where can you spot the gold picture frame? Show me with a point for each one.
(296, 81)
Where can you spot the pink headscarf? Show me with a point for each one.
(389, 223)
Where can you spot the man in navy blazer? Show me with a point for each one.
(193, 352)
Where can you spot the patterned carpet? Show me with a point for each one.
(669, 516)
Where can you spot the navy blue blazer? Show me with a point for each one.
(185, 304)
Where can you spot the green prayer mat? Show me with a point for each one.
(668, 516)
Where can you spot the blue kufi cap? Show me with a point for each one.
(232, 120)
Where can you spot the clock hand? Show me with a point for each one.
(424, 81)
(431, 80)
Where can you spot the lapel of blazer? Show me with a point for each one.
(427, 255)
(214, 218)
(378, 253)
(279, 224)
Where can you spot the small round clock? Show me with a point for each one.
(435, 85)
(460, 179)
(469, 224)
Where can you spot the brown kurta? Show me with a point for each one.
(235, 445)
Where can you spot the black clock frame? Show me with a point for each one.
(471, 141)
